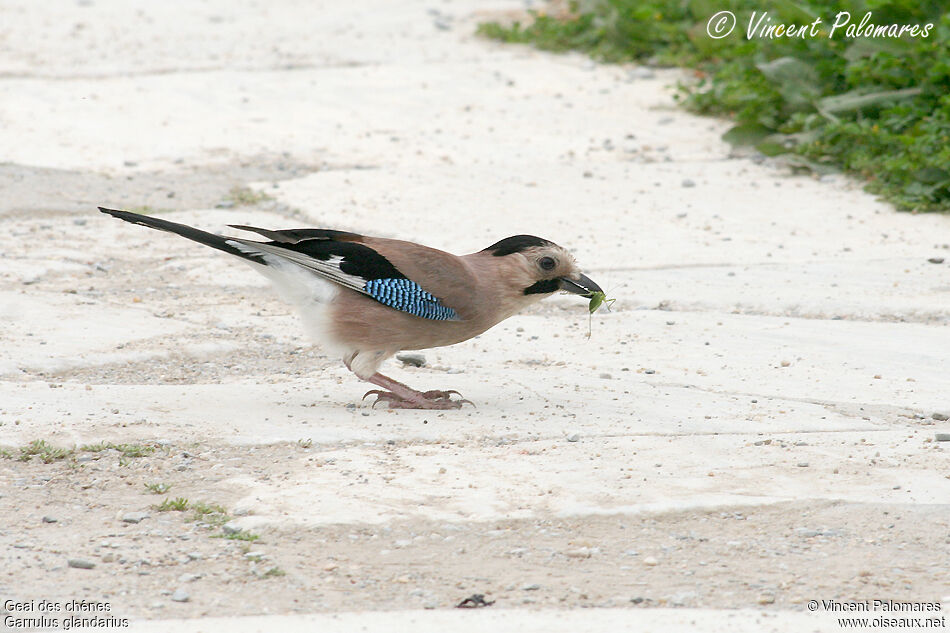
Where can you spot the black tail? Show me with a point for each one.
(202, 237)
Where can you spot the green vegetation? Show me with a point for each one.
(245, 196)
(158, 488)
(240, 535)
(127, 450)
(46, 452)
(210, 513)
(179, 504)
(876, 107)
(274, 572)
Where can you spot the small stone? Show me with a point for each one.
(580, 552)
(935, 260)
(802, 464)
(688, 183)
(415, 360)
(573, 437)
(194, 555)
(942, 437)
(108, 557)
(649, 371)
(79, 563)
(940, 416)
(766, 598)
(531, 587)
(650, 561)
(189, 577)
(606, 376)
(49, 519)
(230, 528)
(180, 595)
(134, 517)
(80, 221)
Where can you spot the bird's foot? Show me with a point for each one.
(434, 399)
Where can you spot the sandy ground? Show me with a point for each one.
(753, 426)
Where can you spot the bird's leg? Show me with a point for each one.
(400, 396)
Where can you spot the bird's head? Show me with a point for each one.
(542, 267)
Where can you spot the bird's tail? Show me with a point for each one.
(202, 237)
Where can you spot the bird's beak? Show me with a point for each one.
(583, 286)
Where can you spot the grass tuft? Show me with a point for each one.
(875, 107)
(246, 196)
(179, 504)
(46, 452)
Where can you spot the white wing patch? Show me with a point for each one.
(329, 269)
(310, 293)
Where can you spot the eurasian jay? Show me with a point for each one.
(366, 298)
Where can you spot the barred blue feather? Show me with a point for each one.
(408, 296)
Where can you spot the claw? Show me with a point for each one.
(382, 396)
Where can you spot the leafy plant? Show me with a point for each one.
(179, 504)
(876, 107)
(46, 452)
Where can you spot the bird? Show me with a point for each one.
(365, 298)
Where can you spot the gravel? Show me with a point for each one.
(79, 563)
(134, 517)
(181, 595)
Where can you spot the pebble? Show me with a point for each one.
(189, 577)
(531, 587)
(134, 517)
(943, 437)
(802, 464)
(650, 561)
(940, 416)
(580, 552)
(807, 533)
(49, 519)
(606, 376)
(416, 360)
(573, 437)
(766, 598)
(935, 260)
(194, 555)
(688, 183)
(79, 563)
(230, 528)
(181, 595)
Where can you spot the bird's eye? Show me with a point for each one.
(547, 263)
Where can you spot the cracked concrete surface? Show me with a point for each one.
(778, 348)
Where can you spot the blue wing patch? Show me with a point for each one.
(408, 296)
